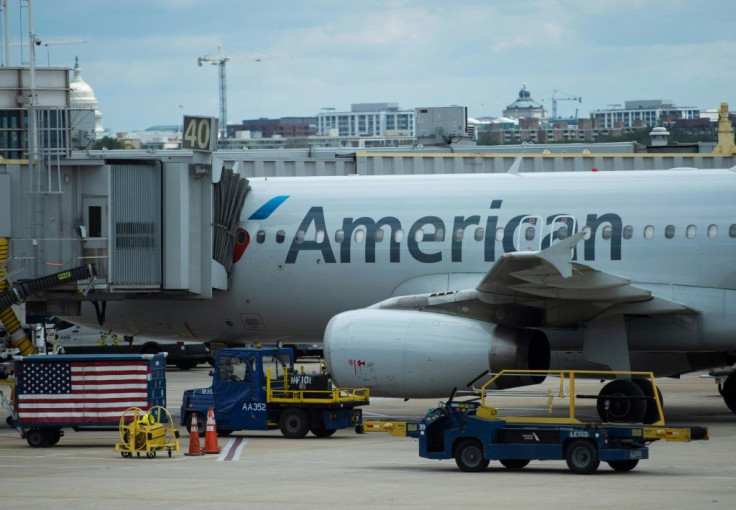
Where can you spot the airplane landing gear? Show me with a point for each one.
(728, 391)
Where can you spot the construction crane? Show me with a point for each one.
(46, 43)
(565, 98)
(220, 61)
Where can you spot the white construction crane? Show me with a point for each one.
(568, 97)
(220, 62)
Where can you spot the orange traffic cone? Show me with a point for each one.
(210, 435)
(194, 447)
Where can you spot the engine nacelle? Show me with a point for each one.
(406, 353)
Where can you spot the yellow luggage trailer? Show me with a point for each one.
(147, 432)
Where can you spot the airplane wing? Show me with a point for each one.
(543, 289)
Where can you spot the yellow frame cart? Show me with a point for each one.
(147, 432)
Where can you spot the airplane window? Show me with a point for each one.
(458, 235)
(691, 231)
(607, 231)
(669, 231)
(499, 234)
(359, 236)
(479, 234)
(628, 232)
(529, 233)
(299, 238)
(399, 235)
(712, 231)
(587, 232)
(419, 235)
(439, 234)
(319, 236)
(261, 236)
(280, 236)
(732, 231)
(562, 232)
(648, 232)
(339, 236)
(378, 235)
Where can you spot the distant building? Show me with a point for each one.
(82, 97)
(640, 113)
(525, 107)
(285, 127)
(367, 119)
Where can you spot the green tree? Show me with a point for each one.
(108, 142)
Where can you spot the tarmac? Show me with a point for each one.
(373, 470)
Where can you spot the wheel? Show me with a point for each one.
(126, 455)
(582, 457)
(201, 423)
(623, 465)
(53, 436)
(322, 431)
(294, 423)
(651, 415)
(36, 438)
(186, 365)
(514, 463)
(151, 454)
(728, 391)
(9, 421)
(469, 456)
(622, 401)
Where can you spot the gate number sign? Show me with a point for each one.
(200, 133)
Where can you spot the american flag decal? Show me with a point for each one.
(90, 392)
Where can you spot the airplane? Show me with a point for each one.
(417, 284)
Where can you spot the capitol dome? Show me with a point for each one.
(81, 96)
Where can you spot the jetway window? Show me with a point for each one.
(691, 231)
(669, 231)
(260, 236)
(280, 236)
(94, 229)
(628, 232)
(712, 231)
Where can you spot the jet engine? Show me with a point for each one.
(407, 353)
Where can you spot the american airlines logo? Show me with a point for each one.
(429, 247)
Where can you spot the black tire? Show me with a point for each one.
(322, 431)
(186, 365)
(514, 464)
(36, 438)
(469, 456)
(728, 391)
(151, 454)
(53, 436)
(623, 465)
(582, 457)
(294, 423)
(201, 423)
(651, 415)
(622, 401)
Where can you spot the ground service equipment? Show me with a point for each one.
(473, 432)
(147, 432)
(248, 393)
(83, 392)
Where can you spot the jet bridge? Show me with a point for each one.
(150, 225)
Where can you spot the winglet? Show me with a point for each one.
(560, 255)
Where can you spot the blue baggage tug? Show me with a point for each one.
(473, 433)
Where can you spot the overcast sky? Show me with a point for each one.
(140, 57)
